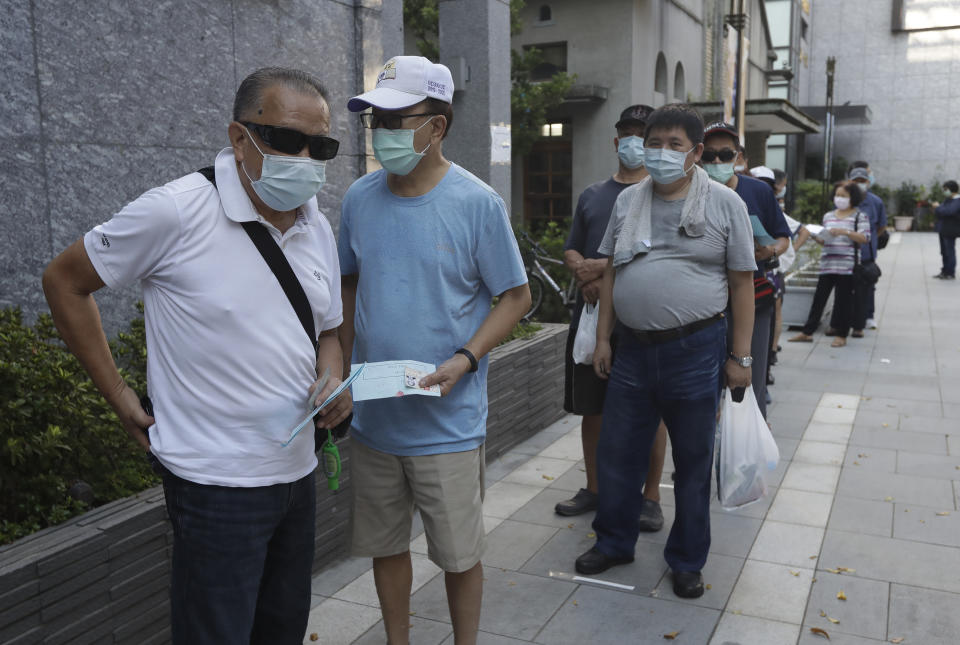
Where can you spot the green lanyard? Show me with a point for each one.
(330, 460)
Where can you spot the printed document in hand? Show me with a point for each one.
(355, 372)
(392, 378)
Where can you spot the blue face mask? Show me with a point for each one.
(286, 182)
(871, 179)
(394, 149)
(665, 166)
(721, 172)
(630, 151)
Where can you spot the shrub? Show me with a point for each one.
(551, 236)
(810, 202)
(56, 429)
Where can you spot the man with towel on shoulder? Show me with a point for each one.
(675, 242)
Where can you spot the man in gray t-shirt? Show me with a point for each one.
(667, 283)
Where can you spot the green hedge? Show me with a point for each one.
(57, 432)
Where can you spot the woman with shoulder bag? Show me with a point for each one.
(843, 230)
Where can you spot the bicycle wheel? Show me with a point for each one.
(536, 294)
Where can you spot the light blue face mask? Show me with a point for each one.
(630, 151)
(394, 149)
(666, 166)
(721, 172)
(286, 182)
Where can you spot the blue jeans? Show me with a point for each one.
(678, 381)
(242, 560)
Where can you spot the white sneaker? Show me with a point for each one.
(871, 323)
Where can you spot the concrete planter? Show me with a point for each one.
(801, 285)
(103, 577)
(903, 222)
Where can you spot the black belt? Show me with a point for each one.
(656, 336)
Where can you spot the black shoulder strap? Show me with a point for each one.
(277, 262)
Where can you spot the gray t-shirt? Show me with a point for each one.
(681, 279)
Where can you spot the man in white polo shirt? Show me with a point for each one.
(231, 370)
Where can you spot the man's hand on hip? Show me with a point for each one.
(447, 375)
(132, 416)
(737, 376)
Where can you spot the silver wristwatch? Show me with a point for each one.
(742, 361)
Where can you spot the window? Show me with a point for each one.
(545, 14)
(679, 84)
(553, 60)
(548, 176)
(660, 75)
(776, 151)
(925, 15)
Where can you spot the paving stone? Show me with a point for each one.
(539, 510)
(573, 480)
(809, 638)
(927, 465)
(899, 440)
(512, 543)
(737, 629)
(863, 613)
(861, 515)
(908, 489)
(925, 524)
(900, 561)
(811, 477)
(801, 507)
(720, 573)
(422, 632)
(336, 577)
(363, 591)
(505, 498)
(828, 432)
(771, 591)
(757, 509)
(539, 471)
(819, 452)
(877, 419)
(340, 621)
(514, 604)
(788, 544)
(924, 615)
(731, 534)
(832, 400)
(602, 616)
(834, 415)
(568, 446)
(798, 411)
(903, 406)
(486, 638)
(787, 447)
(868, 458)
(903, 390)
(502, 466)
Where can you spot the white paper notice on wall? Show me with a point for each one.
(500, 144)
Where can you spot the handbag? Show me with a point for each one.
(764, 293)
(864, 272)
(292, 288)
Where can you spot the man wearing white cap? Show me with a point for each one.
(424, 247)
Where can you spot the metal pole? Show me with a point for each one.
(828, 129)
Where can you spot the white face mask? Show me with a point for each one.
(842, 203)
(286, 182)
(739, 168)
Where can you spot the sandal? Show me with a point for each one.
(801, 338)
(839, 341)
(857, 333)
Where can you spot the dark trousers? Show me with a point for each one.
(948, 251)
(862, 307)
(843, 303)
(678, 381)
(242, 560)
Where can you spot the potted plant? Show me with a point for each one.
(906, 199)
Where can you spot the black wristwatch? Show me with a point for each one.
(742, 361)
(474, 365)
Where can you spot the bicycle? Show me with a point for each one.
(537, 275)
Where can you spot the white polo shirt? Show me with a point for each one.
(228, 362)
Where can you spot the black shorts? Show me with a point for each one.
(583, 390)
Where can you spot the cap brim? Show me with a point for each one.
(384, 98)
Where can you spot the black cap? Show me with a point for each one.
(634, 114)
(720, 126)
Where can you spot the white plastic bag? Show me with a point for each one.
(747, 451)
(586, 339)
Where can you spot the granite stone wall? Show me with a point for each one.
(103, 577)
(102, 100)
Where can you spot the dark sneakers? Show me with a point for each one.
(595, 561)
(583, 502)
(651, 516)
(687, 584)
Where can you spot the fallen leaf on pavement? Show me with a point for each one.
(942, 513)
(846, 569)
(708, 586)
(575, 603)
(795, 574)
(513, 584)
(888, 499)
(896, 640)
(591, 535)
(856, 463)
(820, 632)
(547, 477)
(813, 557)
(314, 636)
(841, 595)
(413, 613)
(862, 455)
(670, 636)
(569, 526)
(834, 570)
(886, 425)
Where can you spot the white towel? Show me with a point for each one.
(634, 237)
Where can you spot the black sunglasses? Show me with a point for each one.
(388, 121)
(291, 142)
(726, 155)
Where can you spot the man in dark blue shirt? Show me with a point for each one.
(948, 226)
(721, 145)
(873, 207)
(584, 392)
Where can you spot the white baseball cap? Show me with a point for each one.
(762, 172)
(405, 81)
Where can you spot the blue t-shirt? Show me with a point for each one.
(877, 213)
(428, 268)
(761, 202)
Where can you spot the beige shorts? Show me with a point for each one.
(446, 488)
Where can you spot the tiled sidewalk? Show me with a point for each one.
(864, 502)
